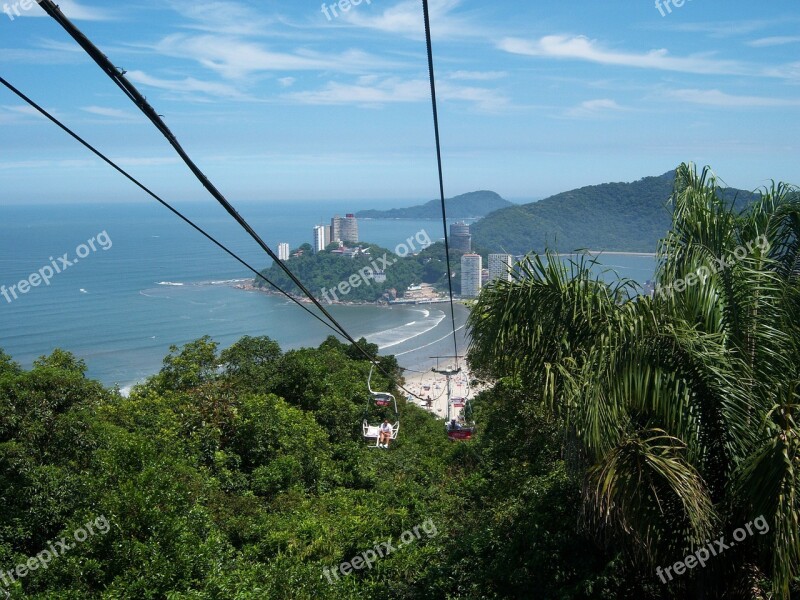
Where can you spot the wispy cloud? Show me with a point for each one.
(72, 9)
(721, 99)
(724, 29)
(222, 17)
(370, 91)
(109, 113)
(595, 108)
(405, 18)
(235, 58)
(189, 87)
(778, 40)
(583, 48)
(477, 75)
(25, 111)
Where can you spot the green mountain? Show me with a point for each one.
(627, 217)
(473, 204)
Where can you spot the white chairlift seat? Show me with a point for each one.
(374, 431)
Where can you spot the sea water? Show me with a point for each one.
(122, 304)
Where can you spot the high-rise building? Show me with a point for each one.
(336, 229)
(322, 237)
(500, 267)
(283, 251)
(349, 229)
(460, 237)
(471, 267)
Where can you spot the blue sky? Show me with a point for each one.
(277, 101)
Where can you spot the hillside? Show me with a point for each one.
(629, 217)
(473, 204)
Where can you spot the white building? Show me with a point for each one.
(283, 251)
(500, 267)
(471, 267)
(322, 237)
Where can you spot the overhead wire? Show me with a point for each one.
(118, 77)
(429, 44)
(156, 197)
(45, 113)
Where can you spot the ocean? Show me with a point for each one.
(135, 280)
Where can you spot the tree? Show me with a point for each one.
(189, 367)
(251, 362)
(684, 406)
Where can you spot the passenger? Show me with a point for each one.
(385, 435)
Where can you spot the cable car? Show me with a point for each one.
(458, 431)
(456, 426)
(383, 400)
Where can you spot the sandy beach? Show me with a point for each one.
(434, 386)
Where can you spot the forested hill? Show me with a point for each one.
(473, 204)
(628, 217)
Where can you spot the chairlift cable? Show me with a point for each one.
(429, 44)
(118, 77)
(156, 197)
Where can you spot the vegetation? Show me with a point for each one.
(628, 217)
(620, 434)
(242, 474)
(465, 206)
(326, 271)
(680, 412)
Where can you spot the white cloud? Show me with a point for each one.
(286, 81)
(26, 111)
(595, 108)
(188, 86)
(718, 98)
(222, 17)
(367, 91)
(405, 18)
(111, 113)
(233, 58)
(778, 40)
(71, 9)
(477, 75)
(582, 48)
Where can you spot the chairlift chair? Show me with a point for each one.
(382, 399)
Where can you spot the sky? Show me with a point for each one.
(294, 100)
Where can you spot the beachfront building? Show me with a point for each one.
(322, 237)
(460, 237)
(283, 251)
(344, 229)
(500, 267)
(471, 267)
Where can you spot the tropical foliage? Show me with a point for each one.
(679, 411)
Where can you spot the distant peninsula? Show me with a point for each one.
(465, 206)
(628, 217)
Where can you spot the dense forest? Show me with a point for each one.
(465, 206)
(242, 474)
(628, 217)
(628, 447)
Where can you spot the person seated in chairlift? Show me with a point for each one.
(385, 434)
(454, 425)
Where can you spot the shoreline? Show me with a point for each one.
(251, 287)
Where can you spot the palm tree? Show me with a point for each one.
(684, 405)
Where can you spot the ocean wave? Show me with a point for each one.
(170, 283)
(397, 335)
